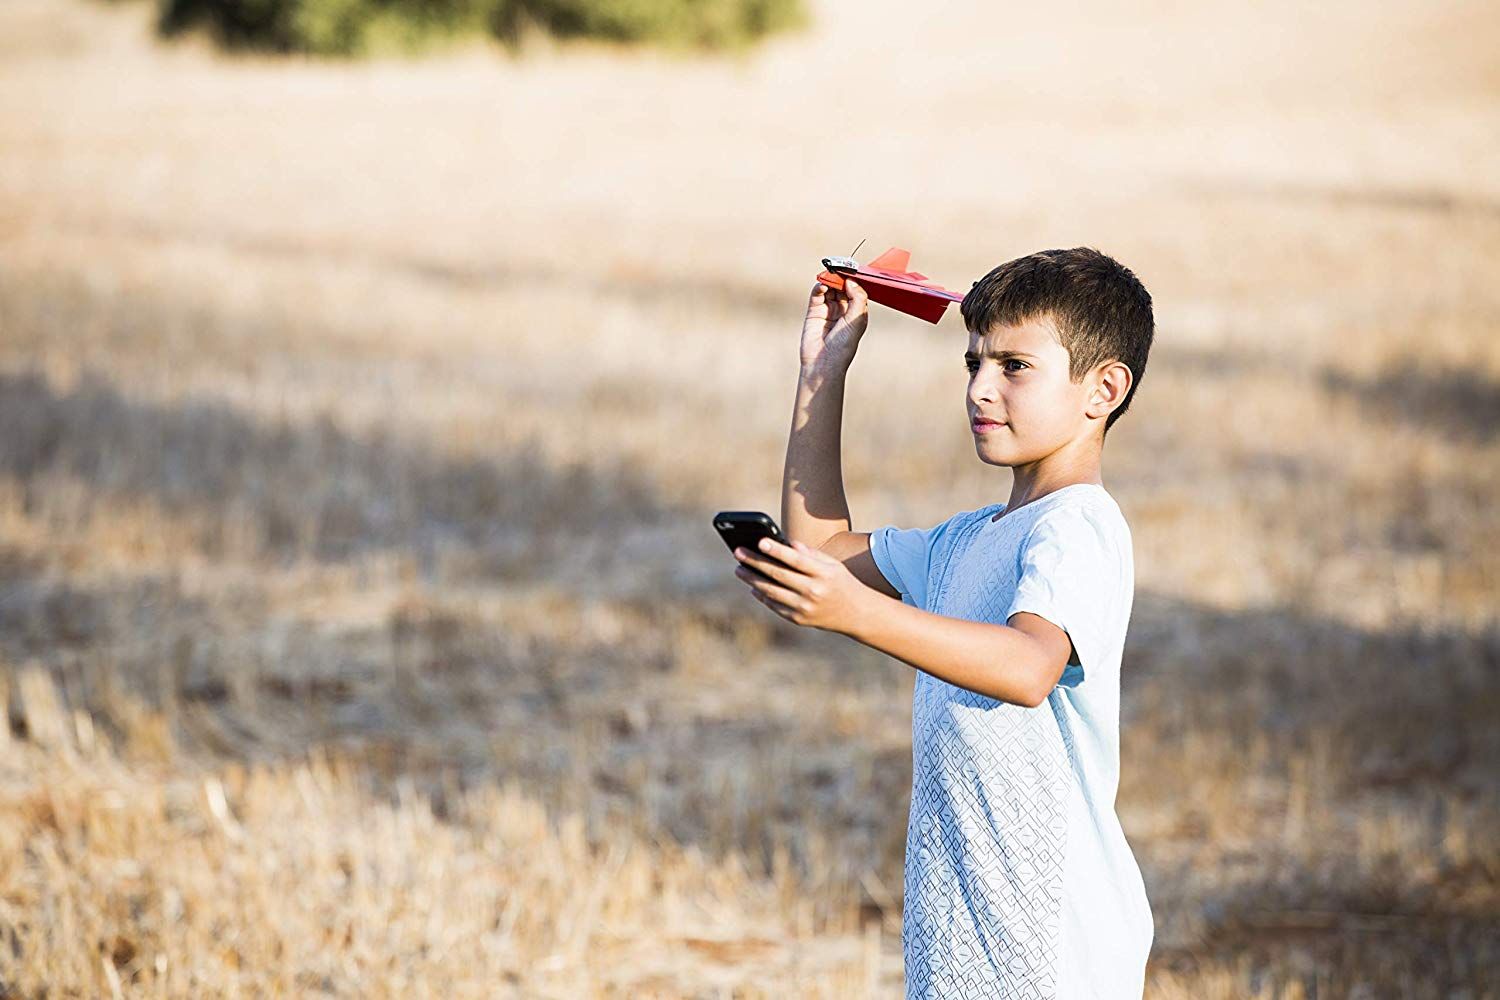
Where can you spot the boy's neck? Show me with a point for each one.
(1035, 480)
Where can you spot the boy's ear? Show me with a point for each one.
(1111, 385)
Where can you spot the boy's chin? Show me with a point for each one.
(1007, 454)
(992, 455)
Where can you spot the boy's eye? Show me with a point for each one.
(970, 364)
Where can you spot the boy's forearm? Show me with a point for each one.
(813, 505)
(994, 660)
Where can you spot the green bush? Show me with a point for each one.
(358, 27)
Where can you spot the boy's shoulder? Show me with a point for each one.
(1081, 506)
(1077, 526)
(1088, 510)
(1089, 501)
(1097, 502)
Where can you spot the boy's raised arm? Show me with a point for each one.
(814, 509)
(813, 505)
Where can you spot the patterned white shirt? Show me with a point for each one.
(1019, 881)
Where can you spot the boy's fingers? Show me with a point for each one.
(795, 558)
(780, 595)
(775, 606)
(772, 569)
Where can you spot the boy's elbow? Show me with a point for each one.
(1040, 684)
(1038, 696)
(1034, 696)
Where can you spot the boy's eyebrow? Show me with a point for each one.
(1001, 355)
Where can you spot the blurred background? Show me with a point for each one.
(369, 375)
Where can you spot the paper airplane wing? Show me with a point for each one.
(894, 259)
(886, 280)
(894, 263)
(914, 300)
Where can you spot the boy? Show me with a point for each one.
(1019, 881)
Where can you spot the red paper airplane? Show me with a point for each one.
(887, 281)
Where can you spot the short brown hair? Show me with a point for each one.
(1101, 310)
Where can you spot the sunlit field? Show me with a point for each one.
(362, 627)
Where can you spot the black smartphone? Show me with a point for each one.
(747, 528)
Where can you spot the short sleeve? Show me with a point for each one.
(902, 556)
(1071, 573)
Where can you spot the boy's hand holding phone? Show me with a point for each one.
(835, 322)
(804, 586)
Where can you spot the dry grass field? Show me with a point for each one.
(362, 629)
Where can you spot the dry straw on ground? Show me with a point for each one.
(361, 627)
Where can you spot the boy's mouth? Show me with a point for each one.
(985, 424)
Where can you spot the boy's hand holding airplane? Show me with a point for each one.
(835, 322)
(806, 586)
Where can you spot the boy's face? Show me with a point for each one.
(1018, 375)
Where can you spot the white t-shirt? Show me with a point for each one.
(1019, 881)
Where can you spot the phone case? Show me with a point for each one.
(747, 528)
